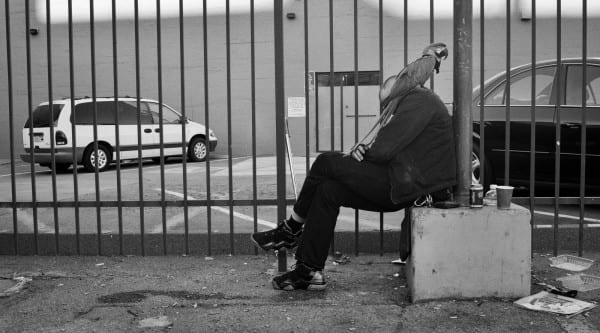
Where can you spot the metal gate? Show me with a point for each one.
(231, 66)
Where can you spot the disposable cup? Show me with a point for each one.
(504, 194)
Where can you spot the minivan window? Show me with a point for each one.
(169, 116)
(574, 81)
(42, 115)
(84, 113)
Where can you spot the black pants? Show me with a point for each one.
(336, 180)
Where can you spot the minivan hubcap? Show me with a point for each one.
(200, 150)
(102, 159)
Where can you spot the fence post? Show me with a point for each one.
(463, 96)
(280, 121)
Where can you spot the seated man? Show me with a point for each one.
(413, 154)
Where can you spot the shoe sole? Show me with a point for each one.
(273, 246)
(311, 287)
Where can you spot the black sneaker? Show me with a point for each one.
(279, 238)
(301, 278)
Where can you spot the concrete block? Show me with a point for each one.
(466, 253)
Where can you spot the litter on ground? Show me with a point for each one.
(571, 263)
(581, 282)
(547, 302)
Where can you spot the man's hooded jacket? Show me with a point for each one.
(418, 145)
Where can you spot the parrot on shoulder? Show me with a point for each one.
(414, 74)
(397, 86)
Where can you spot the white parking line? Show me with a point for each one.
(565, 216)
(178, 219)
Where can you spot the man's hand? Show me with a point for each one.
(358, 153)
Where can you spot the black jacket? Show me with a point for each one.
(418, 145)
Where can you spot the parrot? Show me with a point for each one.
(414, 74)
(396, 87)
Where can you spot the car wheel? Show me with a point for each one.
(103, 159)
(476, 165)
(198, 150)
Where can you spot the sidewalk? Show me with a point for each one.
(234, 294)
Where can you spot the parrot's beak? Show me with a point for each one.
(443, 52)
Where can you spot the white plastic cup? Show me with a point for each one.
(504, 196)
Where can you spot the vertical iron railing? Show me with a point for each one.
(207, 122)
(557, 125)
(74, 129)
(532, 145)
(13, 182)
(280, 121)
(507, 96)
(139, 126)
(183, 131)
(117, 131)
(582, 171)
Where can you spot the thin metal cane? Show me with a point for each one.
(289, 155)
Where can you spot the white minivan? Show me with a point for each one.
(81, 122)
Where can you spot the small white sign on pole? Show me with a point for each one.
(296, 107)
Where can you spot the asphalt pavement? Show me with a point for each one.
(233, 294)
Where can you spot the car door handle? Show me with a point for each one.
(571, 125)
(147, 130)
(157, 130)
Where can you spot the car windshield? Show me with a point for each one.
(42, 116)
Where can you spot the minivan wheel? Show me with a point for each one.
(197, 151)
(89, 159)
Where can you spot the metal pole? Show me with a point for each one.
(280, 122)
(463, 93)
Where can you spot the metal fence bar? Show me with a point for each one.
(206, 134)
(507, 97)
(583, 127)
(280, 121)
(307, 90)
(183, 130)
(331, 79)
(176, 203)
(405, 39)
(253, 108)
(95, 127)
(52, 130)
(139, 123)
(13, 188)
(533, 115)
(229, 134)
(557, 125)
(342, 84)
(380, 23)
(31, 143)
(332, 83)
(117, 131)
(161, 125)
(356, 214)
(481, 92)
(73, 128)
(431, 36)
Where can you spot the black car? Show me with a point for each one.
(558, 102)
